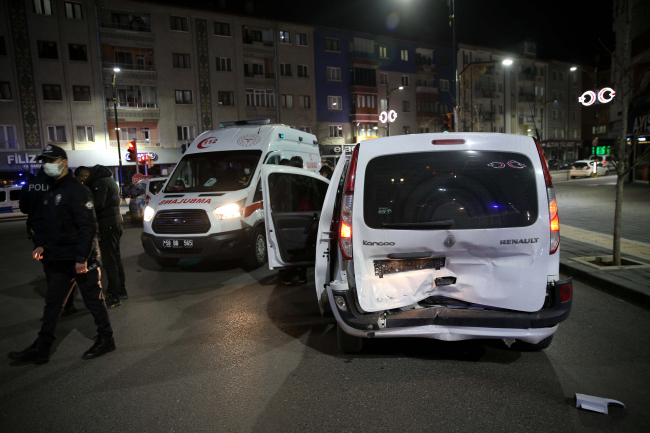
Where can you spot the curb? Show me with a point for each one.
(606, 283)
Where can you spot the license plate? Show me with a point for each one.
(178, 243)
(386, 267)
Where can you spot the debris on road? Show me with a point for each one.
(596, 404)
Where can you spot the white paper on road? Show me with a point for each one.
(596, 404)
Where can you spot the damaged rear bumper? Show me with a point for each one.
(453, 323)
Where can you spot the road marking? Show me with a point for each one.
(633, 248)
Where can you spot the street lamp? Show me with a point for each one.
(505, 62)
(117, 131)
(388, 92)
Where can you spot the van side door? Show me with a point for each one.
(293, 199)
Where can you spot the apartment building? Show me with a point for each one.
(526, 96)
(359, 76)
(181, 72)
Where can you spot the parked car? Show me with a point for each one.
(607, 160)
(9, 202)
(585, 168)
(142, 193)
(565, 165)
(449, 236)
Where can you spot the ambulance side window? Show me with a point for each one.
(258, 192)
(273, 160)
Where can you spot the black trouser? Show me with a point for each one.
(61, 282)
(48, 271)
(109, 245)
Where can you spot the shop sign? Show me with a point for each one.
(329, 150)
(153, 155)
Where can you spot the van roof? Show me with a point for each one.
(241, 137)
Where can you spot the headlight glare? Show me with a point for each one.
(232, 210)
(149, 213)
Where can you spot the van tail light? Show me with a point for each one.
(345, 238)
(552, 203)
(566, 292)
(445, 142)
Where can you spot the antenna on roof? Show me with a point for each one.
(244, 122)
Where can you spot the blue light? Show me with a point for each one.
(281, 135)
(20, 174)
(495, 206)
(22, 183)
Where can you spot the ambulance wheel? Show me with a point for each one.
(348, 343)
(529, 347)
(256, 254)
(167, 262)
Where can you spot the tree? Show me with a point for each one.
(626, 82)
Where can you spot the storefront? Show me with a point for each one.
(562, 150)
(14, 166)
(332, 152)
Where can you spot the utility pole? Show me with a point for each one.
(117, 133)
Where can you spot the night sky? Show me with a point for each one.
(564, 30)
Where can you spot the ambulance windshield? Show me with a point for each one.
(214, 171)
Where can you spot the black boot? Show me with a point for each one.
(112, 300)
(100, 347)
(38, 354)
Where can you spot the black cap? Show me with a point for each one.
(52, 151)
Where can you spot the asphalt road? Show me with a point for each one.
(209, 347)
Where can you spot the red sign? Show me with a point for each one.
(204, 144)
(137, 178)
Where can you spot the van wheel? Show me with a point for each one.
(529, 347)
(256, 254)
(348, 343)
(167, 262)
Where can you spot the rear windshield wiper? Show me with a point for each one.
(423, 225)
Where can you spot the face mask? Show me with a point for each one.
(52, 169)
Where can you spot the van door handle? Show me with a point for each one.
(311, 223)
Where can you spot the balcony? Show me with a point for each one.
(526, 76)
(430, 68)
(526, 97)
(484, 93)
(144, 67)
(526, 120)
(133, 26)
(130, 113)
(426, 89)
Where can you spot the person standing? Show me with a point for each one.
(82, 173)
(70, 234)
(106, 197)
(31, 203)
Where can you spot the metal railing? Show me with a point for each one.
(132, 104)
(132, 27)
(129, 66)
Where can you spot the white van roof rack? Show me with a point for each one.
(245, 122)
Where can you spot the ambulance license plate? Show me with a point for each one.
(178, 243)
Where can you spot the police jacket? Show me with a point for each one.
(70, 227)
(106, 196)
(31, 199)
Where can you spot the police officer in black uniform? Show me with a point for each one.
(69, 235)
(31, 203)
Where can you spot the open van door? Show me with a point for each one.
(327, 236)
(293, 199)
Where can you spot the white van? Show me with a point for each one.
(211, 206)
(9, 202)
(449, 236)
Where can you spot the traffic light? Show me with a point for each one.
(448, 122)
(143, 159)
(149, 161)
(133, 151)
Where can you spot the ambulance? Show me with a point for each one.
(211, 207)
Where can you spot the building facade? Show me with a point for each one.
(359, 76)
(181, 72)
(527, 97)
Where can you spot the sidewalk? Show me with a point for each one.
(630, 284)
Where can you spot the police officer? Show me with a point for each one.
(31, 203)
(69, 234)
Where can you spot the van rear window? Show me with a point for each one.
(457, 190)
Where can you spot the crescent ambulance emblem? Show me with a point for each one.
(204, 144)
